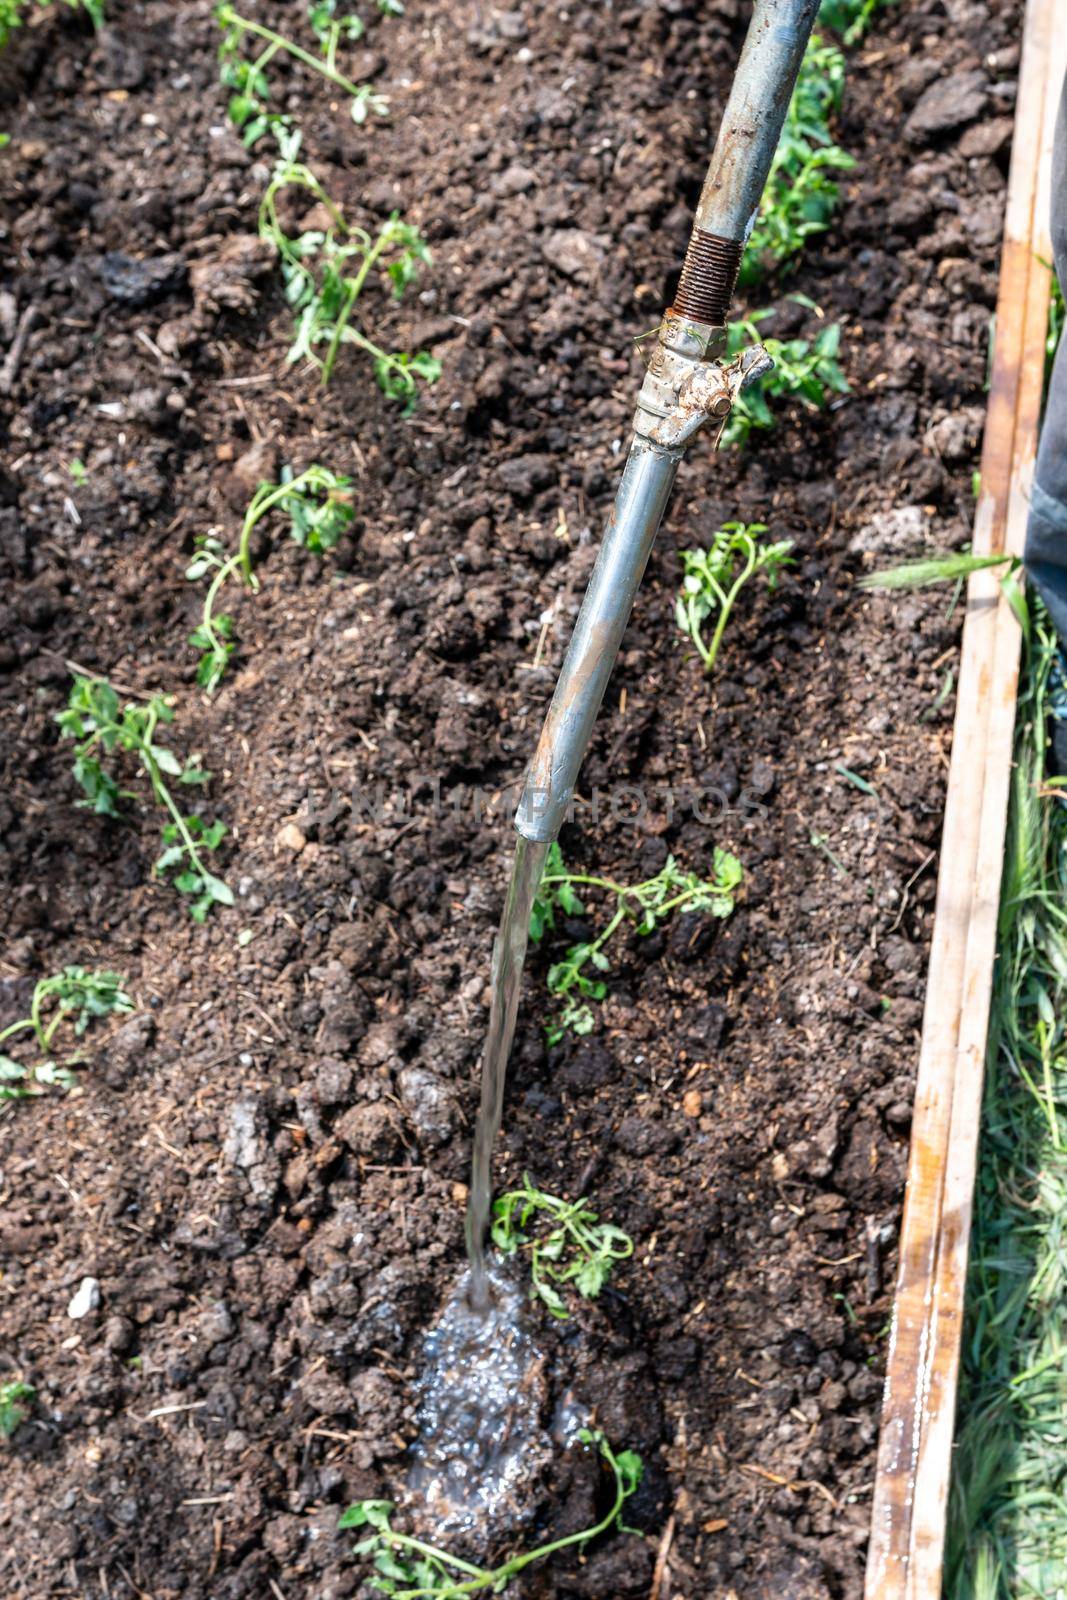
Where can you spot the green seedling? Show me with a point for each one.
(326, 271)
(714, 578)
(99, 726)
(12, 13)
(11, 1412)
(571, 1248)
(330, 28)
(800, 196)
(75, 993)
(947, 685)
(246, 76)
(319, 507)
(854, 779)
(805, 371)
(820, 842)
(78, 472)
(937, 567)
(330, 25)
(955, 567)
(410, 1569)
(576, 980)
(849, 19)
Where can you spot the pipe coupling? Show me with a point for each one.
(688, 384)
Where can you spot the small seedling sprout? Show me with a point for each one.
(12, 11)
(935, 568)
(849, 19)
(576, 1250)
(247, 79)
(12, 1413)
(321, 289)
(330, 28)
(318, 504)
(714, 578)
(806, 371)
(800, 196)
(330, 25)
(955, 567)
(99, 726)
(75, 993)
(645, 905)
(410, 1569)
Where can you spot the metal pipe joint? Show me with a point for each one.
(688, 385)
(683, 389)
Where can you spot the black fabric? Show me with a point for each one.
(1046, 533)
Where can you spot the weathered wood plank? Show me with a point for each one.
(914, 1460)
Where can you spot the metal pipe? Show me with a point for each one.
(687, 385)
(647, 480)
(748, 137)
(755, 113)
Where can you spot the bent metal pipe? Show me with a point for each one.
(687, 386)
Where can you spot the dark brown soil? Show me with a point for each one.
(264, 1168)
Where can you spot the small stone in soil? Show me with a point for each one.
(85, 1300)
(138, 283)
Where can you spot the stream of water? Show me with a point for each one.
(482, 1390)
(509, 955)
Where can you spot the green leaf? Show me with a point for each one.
(166, 761)
(569, 901)
(388, 1565)
(372, 1513)
(591, 1277)
(631, 1469)
(579, 1019)
(219, 891)
(11, 1412)
(57, 1077)
(550, 1298)
(935, 568)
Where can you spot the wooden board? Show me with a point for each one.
(918, 1414)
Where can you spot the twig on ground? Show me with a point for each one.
(662, 1557)
(13, 359)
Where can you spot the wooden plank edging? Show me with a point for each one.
(915, 1447)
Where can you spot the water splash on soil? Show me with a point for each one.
(509, 954)
(481, 1400)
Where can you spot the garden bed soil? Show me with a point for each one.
(264, 1168)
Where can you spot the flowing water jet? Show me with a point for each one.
(509, 955)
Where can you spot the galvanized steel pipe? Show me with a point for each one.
(647, 480)
(682, 392)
